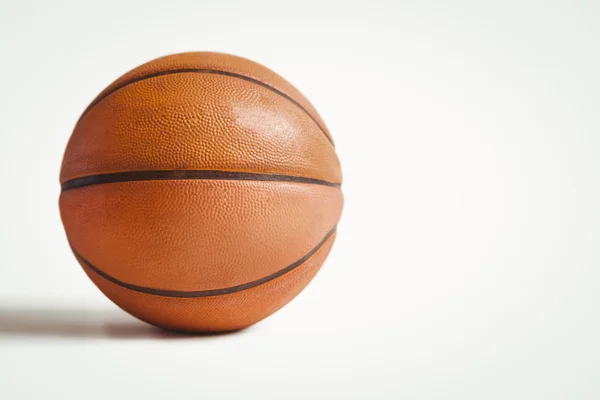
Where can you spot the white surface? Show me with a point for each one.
(466, 265)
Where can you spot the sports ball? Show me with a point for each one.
(200, 192)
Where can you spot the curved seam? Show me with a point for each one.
(205, 293)
(131, 176)
(207, 71)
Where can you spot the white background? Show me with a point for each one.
(466, 265)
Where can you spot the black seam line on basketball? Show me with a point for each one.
(131, 176)
(206, 293)
(207, 71)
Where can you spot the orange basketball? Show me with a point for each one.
(200, 192)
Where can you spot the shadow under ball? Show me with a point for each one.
(200, 192)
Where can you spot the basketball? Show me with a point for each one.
(200, 192)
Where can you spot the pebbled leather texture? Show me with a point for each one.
(218, 62)
(149, 233)
(216, 313)
(195, 235)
